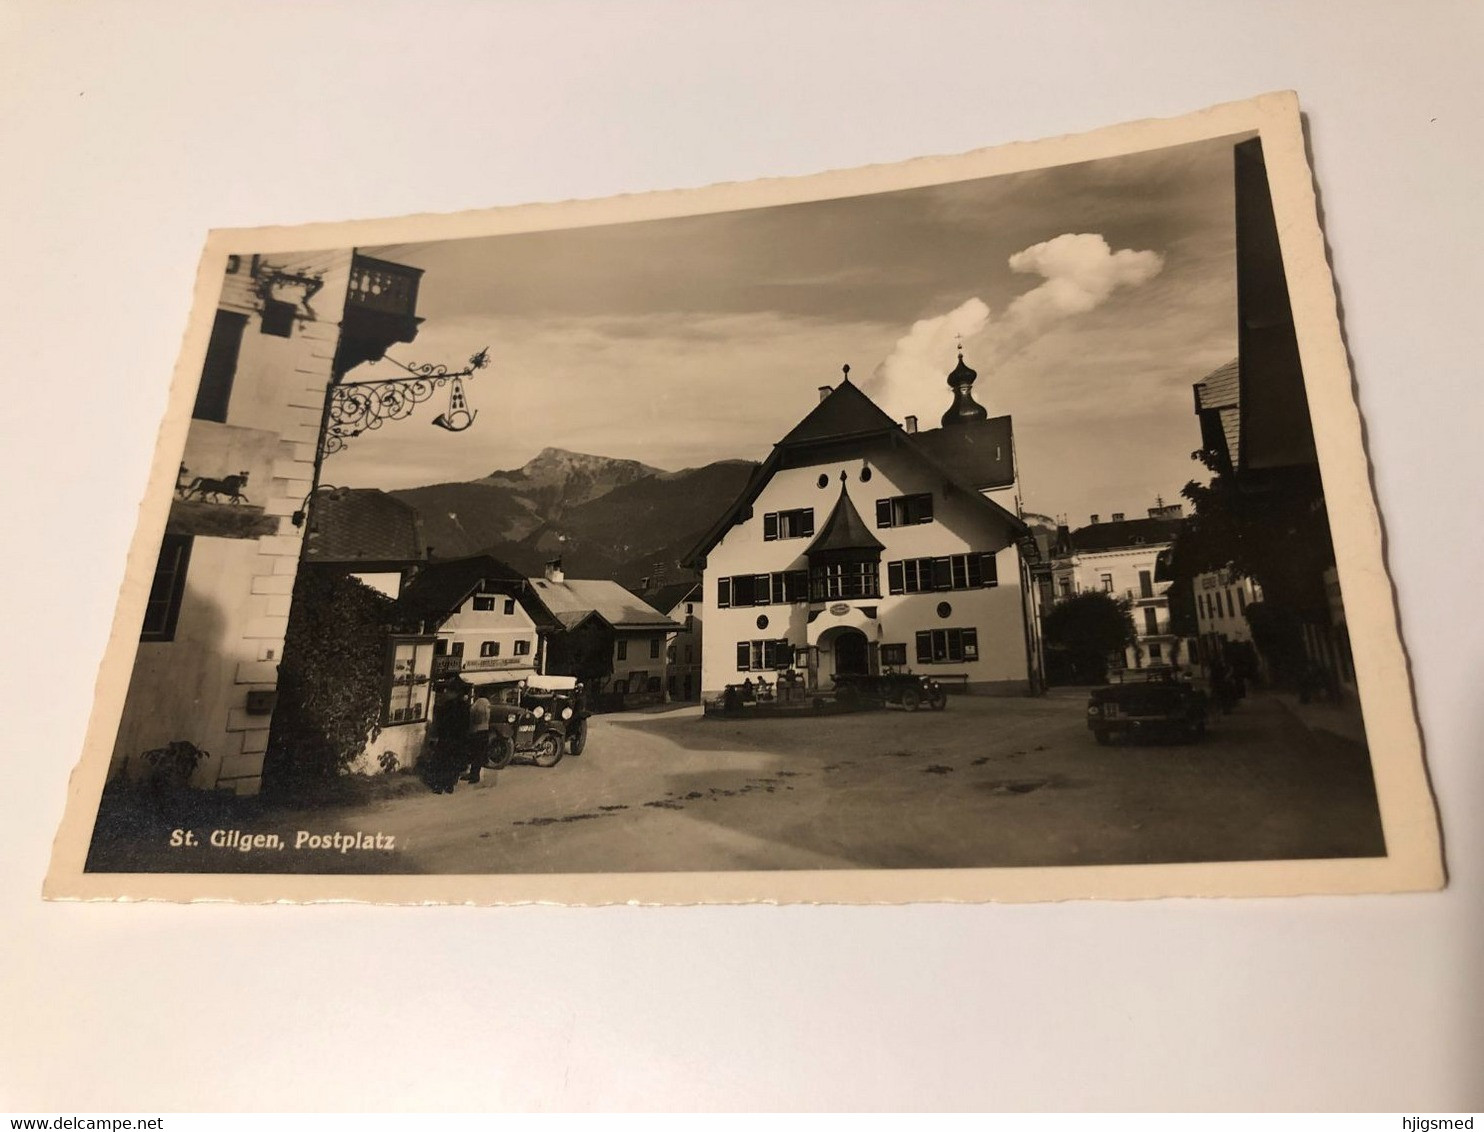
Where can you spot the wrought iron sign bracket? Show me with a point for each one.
(356, 407)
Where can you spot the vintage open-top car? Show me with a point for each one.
(907, 690)
(1150, 702)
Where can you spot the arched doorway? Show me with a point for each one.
(852, 656)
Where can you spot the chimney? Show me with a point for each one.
(1118, 516)
(911, 426)
(825, 391)
(1094, 520)
(554, 571)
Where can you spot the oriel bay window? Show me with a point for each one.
(788, 524)
(953, 572)
(947, 646)
(844, 578)
(764, 656)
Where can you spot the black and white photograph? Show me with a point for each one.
(974, 524)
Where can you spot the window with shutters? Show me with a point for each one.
(489, 648)
(956, 572)
(788, 524)
(947, 646)
(904, 510)
(894, 656)
(778, 588)
(723, 593)
(1146, 584)
(764, 656)
(1151, 622)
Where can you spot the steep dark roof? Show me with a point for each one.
(1126, 532)
(350, 525)
(844, 530)
(1218, 405)
(441, 587)
(980, 453)
(848, 414)
(666, 598)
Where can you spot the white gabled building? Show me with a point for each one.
(861, 545)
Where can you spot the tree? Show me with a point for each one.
(1081, 633)
(330, 683)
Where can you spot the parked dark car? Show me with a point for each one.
(904, 689)
(517, 730)
(1144, 704)
(562, 703)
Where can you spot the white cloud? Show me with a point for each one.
(1079, 273)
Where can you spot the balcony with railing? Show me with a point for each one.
(380, 310)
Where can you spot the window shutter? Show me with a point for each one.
(924, 508)
(770, 526)
(924, 647)
(806, 522)
(723, 593)
(744, 656)
(991, 569)
(761, 589)
(894, 577)
(942, 574)
(785, 653)
(883, 512)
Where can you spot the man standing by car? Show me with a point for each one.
(479, 737)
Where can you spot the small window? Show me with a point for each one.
(489, 648)
(1107, 580)
(1155, 652)
(788, 524)
(904, 510)
(1151, 622)
(1146, 584)
(654, 648)
(484, 603)
(456, 649)
(623, 650)
(509, 606)
(894, 656)
(162, 609)
(523, 647)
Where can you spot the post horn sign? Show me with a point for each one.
(839, 609)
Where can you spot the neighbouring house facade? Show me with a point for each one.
(470, 619)
(1120, 556)
(863, 545)
(606, 636)
(286, 330)
(681, 602)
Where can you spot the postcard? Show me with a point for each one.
(988, 527)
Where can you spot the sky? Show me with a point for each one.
(1089, 298)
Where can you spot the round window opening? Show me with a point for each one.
(865, 475)
(944, 609)
(762, 621)
(824, 480)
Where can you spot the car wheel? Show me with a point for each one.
(577, 737)
(548, 749)
(911, 699)
(1103, 736)
(502, 750)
